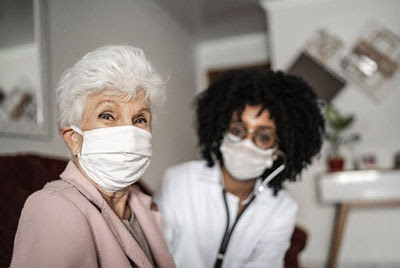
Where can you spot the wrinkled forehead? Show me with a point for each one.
(116, 94)
(117, 98)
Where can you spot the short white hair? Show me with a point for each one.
(124, 68)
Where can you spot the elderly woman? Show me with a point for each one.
(92, 217)
(255, 130)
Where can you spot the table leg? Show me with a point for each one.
(340, 221)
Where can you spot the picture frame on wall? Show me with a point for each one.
(318, 64)
(24, 72)
(373, 61)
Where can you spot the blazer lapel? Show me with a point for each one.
(125, 239)
(122, 234)
(140, 204)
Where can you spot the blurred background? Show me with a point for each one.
(347, 49)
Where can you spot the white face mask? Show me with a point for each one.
(243, 159)
(115, 157)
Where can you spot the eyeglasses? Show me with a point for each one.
(263, 138)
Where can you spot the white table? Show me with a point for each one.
(356, 188)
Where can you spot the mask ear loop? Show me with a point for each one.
(272, 175)
(77, 130)
(80, 132)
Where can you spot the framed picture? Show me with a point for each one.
(325, 82)
(373, 60)
(317, 64)
(24, 79)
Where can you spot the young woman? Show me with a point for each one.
(255, 131)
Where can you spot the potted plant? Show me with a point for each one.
(337, 124)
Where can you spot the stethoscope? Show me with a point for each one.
(248, 201)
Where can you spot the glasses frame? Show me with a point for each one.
(254, 134)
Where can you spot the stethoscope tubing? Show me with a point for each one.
(228, 232)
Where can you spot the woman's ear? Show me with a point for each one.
(72, 139)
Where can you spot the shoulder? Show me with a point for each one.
(282, 201)
(181, 178)
(58, 210)
(56, 199)
(51, 215)
(283, 206)
(59, 224)
(184, 171)
(286, 201)
(57, 186)
(188, 166)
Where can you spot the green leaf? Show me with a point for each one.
(336, 120)
(344, 123)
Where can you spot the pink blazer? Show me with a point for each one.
(69, 224)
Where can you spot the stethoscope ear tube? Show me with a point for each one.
(272, 175)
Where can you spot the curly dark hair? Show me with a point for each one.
(292, 104)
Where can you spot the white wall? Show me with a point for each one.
(229, 52)
(77, 27)
(372, 235)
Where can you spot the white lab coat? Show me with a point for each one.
(195, 218)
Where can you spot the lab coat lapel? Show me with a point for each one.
(150, 221)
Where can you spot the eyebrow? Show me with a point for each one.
(267, 127)
(105, 102)
(144, 110)
(108, 101)
(262, 126)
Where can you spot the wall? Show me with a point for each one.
(77, 27)
(229, 52)
(372, 235)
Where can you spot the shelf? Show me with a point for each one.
(359, 185)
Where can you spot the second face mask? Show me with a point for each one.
(243, 159)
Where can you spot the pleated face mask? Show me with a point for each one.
(115, 157)
(243, 159)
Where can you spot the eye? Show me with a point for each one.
(140, 120)
(238, 131)
(265, 139)
(106, 116)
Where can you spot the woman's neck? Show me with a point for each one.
(116, 200)
(241, 189)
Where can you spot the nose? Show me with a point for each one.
(125, 121)
(250, 134)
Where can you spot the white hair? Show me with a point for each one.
(124, 68)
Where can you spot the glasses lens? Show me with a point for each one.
(262, 138)
(265, 138)
(238, 130)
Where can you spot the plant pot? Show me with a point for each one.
(335, 163)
